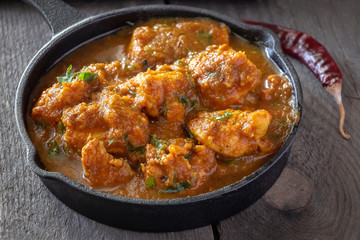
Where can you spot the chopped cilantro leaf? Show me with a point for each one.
(214, 74)
(184, 100)
(150, 182)
(41, 122)
(111, 141)
(159, 144)
(283, 123)
(132, 66)
(193, 103)
(179, 63)
(61, 128)
(187, 156)
(177, 187)
(205, 35)
(132, 92)
(148, 48)
(132, 148)
(65, 148)
(188, 131)
(85, 76)
(68, 77)
(211, 74)
(53, 148)
(217, 117)
(272, 136)
(165, 110)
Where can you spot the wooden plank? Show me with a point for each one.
(319, 153)
(27, 209)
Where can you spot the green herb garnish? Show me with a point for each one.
(191, 79)
(65, 148)
(111, 142)
(132, 148)
(283, 123)
(177, 187)
(166, 108)
(179, 63)
(184, 100)
(217, 117)
(187, 156)
(148, 48)
(193, 103)
(132, 92)
(132, 66)
(214, 74)
(85, 76)
(41, 122)
(53, 148)
(68, 77)
(159, 144)
(61, 128)
(272, 136)
(188, 131)
(205, 35)
(211, 74)
(150, 182)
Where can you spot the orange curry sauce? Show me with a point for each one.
(164, 109)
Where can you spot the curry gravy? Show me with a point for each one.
(272, 93)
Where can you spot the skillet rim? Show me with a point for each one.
(21, 105)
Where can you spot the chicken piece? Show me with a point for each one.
(276, 87)
(231, 133)
(203, 164)
(101, 168)
(116, 71)
(129, 127)
(223, 75)
(177, 164)
(113, 120)
(53, 100)
(163, 43)
(163, 93)
(82, 122)
(164, 169)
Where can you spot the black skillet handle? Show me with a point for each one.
(58, 14)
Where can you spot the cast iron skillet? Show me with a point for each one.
(70, 31)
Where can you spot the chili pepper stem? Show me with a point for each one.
(335, 91)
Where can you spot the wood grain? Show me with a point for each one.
(330, 163)
(292, 192)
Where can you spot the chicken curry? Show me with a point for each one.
(168, 108)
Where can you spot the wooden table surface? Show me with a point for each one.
(329, 163)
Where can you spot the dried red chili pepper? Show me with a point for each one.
(315, 56)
